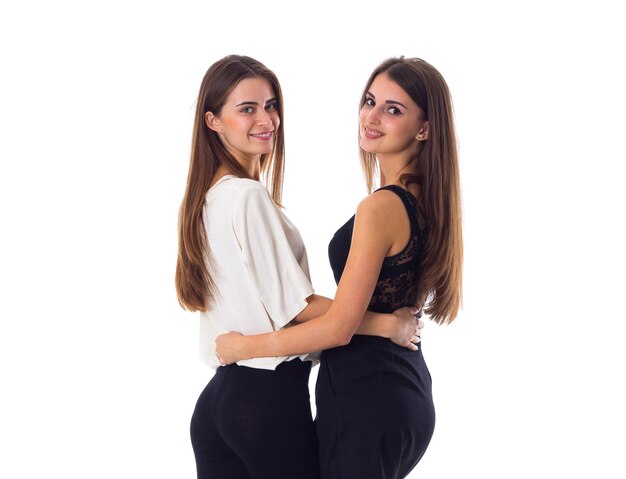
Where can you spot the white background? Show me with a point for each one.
(99, 365)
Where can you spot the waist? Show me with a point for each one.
(294, 368)
(372, 358)
(372, 345)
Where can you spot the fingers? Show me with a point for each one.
(411, 346)
(419, 324)
(413, 342)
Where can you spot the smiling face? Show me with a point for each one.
(390, 122)
(248, 120)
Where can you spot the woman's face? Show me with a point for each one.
(248, 120)
(390, 121)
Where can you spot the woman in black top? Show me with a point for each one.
(403, 247)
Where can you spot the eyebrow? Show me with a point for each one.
(255, 103)
(388, 102)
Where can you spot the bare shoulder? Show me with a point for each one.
(376, 219)
(382, 215)
(380, 204)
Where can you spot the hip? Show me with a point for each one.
(373, 362)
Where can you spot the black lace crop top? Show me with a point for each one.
(393, 289)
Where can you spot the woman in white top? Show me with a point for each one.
(242, 264)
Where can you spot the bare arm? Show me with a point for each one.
(397, 326)
(370, 243)
(317, 306)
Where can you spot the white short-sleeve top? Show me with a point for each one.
(259, 265)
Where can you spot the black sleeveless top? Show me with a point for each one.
(398, 272)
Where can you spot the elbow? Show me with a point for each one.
(342, 337)
(339, 332)
(344, 341)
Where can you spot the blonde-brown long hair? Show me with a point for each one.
(439, 280)
(194, 282)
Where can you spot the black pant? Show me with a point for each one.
(375, 413)
(253, 423)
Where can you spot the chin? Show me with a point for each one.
(260, 151)
(366, 147)
(363, 143)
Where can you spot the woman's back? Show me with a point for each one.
(259, 265)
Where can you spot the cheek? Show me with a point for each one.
(276, 120)
(232, 123)
(362, 116)
(406, 131)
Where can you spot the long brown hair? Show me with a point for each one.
(194, 281)
(439, 280)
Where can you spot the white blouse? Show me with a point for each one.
(259, 265)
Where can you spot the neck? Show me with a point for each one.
(392, 167)
(255, 167)
(252, 165)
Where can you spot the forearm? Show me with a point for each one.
(378, 324)
(373, 324)
(313, 335)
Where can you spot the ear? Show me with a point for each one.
(213, 122)
(422, 135)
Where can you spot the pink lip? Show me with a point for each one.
(372, 134)
(263, 136)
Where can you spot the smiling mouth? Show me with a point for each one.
(265, 136)
(372, 134)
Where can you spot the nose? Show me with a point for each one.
(373, 116)
(264, 119)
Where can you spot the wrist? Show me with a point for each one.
(243, 347)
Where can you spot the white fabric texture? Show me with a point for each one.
(259, 264)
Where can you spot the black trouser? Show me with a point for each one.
(254, 423)
(375, 413)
